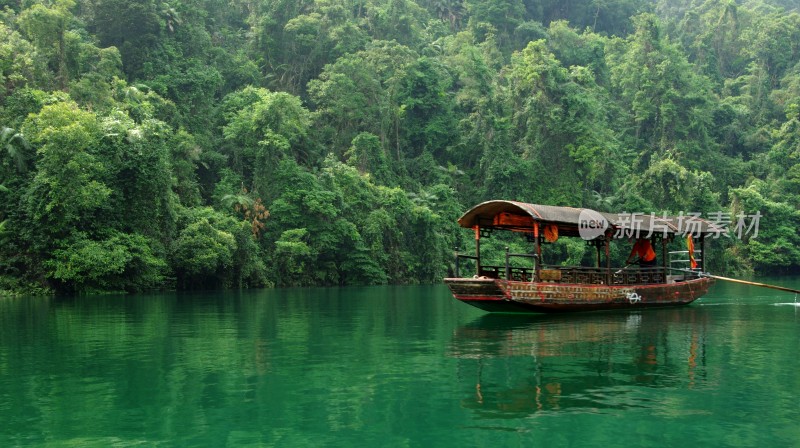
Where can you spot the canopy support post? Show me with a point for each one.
(703, 252)
(508, 265)
(538, 266)
(477, 250)
(458, 271)
(607, 244)
(597, 250)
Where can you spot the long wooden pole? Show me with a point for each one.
(763, 285)
(745, 282)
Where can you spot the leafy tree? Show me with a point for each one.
(367, 155)
(317, 38)
(403, 21)
(213, 250)
(774, 43)
(502, 15)
(125, 262)
(572, 48)
(20, 63)
(775, 247)
(784, 159)
(131, 26)
(670, 104)
(69, 186)
(250, 208)
(712, 32)
(202, 252)
(295, 256)
(139, 174)
(451, 12)
(610, 17)
(263, 127)
(360, 93)
(46, 26)
(668, 186)
(303, 203)
(185, 156)
(15, 149)
(561, 126)
(427, 116)
(269, 42)
(479, 106)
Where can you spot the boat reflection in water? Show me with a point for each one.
(527, 364)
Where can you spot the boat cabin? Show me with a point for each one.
(545, 224)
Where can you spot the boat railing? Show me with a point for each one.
(520, 273)
(516, 273)
(572, 274)
(639, 276)
(460, 257)
(602, 276)
(578, 275)
(509, 271)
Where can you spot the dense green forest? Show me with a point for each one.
(244, 143)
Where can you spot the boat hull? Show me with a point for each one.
(498, 295)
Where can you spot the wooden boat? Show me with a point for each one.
(534, 286)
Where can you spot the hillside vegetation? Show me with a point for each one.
(192, 144)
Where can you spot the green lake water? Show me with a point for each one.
(396, 367)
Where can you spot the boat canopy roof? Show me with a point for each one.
(571, 221)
